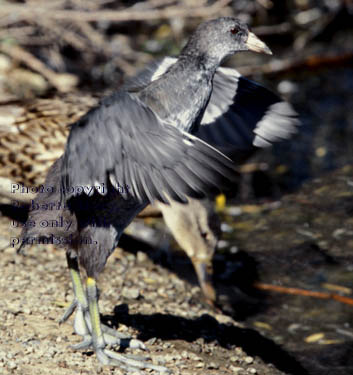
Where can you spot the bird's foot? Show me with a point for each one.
(110, 337)
(129, 363)
(83, 327)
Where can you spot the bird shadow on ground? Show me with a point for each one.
(233, 277)
(171, 327)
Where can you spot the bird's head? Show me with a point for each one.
(219, 38)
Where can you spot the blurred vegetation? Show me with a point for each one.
(51, 48)
(93, 45)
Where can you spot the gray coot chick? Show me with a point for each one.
(135, 148)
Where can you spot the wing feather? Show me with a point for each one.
(240, 115)
(251, 110)
(123, 139)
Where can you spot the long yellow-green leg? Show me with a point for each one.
(97, 333)
(87, 324)
(83, 320)
(105, 356)
(101, 334)
(80, 301)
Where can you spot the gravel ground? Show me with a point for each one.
(304, 241)
(137, 296)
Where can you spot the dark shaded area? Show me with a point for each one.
(335, 359)
(306, 244)
(169, 327)
(233, 276)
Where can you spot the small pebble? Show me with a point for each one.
(224, 319)
(169, 357)
(130, 293)
(236, 370)
(12, 365)
(249, 360)
(141, 257)
(212, 365)
(151, 341)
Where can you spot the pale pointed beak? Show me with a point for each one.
(256, 45)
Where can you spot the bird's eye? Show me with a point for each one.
(234, 30)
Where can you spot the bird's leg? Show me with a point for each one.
(96, 335)
(79, 303)
(82, 322)
(109, 357)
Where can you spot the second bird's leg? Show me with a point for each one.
(82, 322)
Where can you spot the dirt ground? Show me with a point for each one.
(305, 241)
(142, 298)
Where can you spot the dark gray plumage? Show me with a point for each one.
(136, 144)
(125, 140)
(240, 115)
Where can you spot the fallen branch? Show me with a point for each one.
(304, 292)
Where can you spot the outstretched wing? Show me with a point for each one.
(122, 139)
(240, 114)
